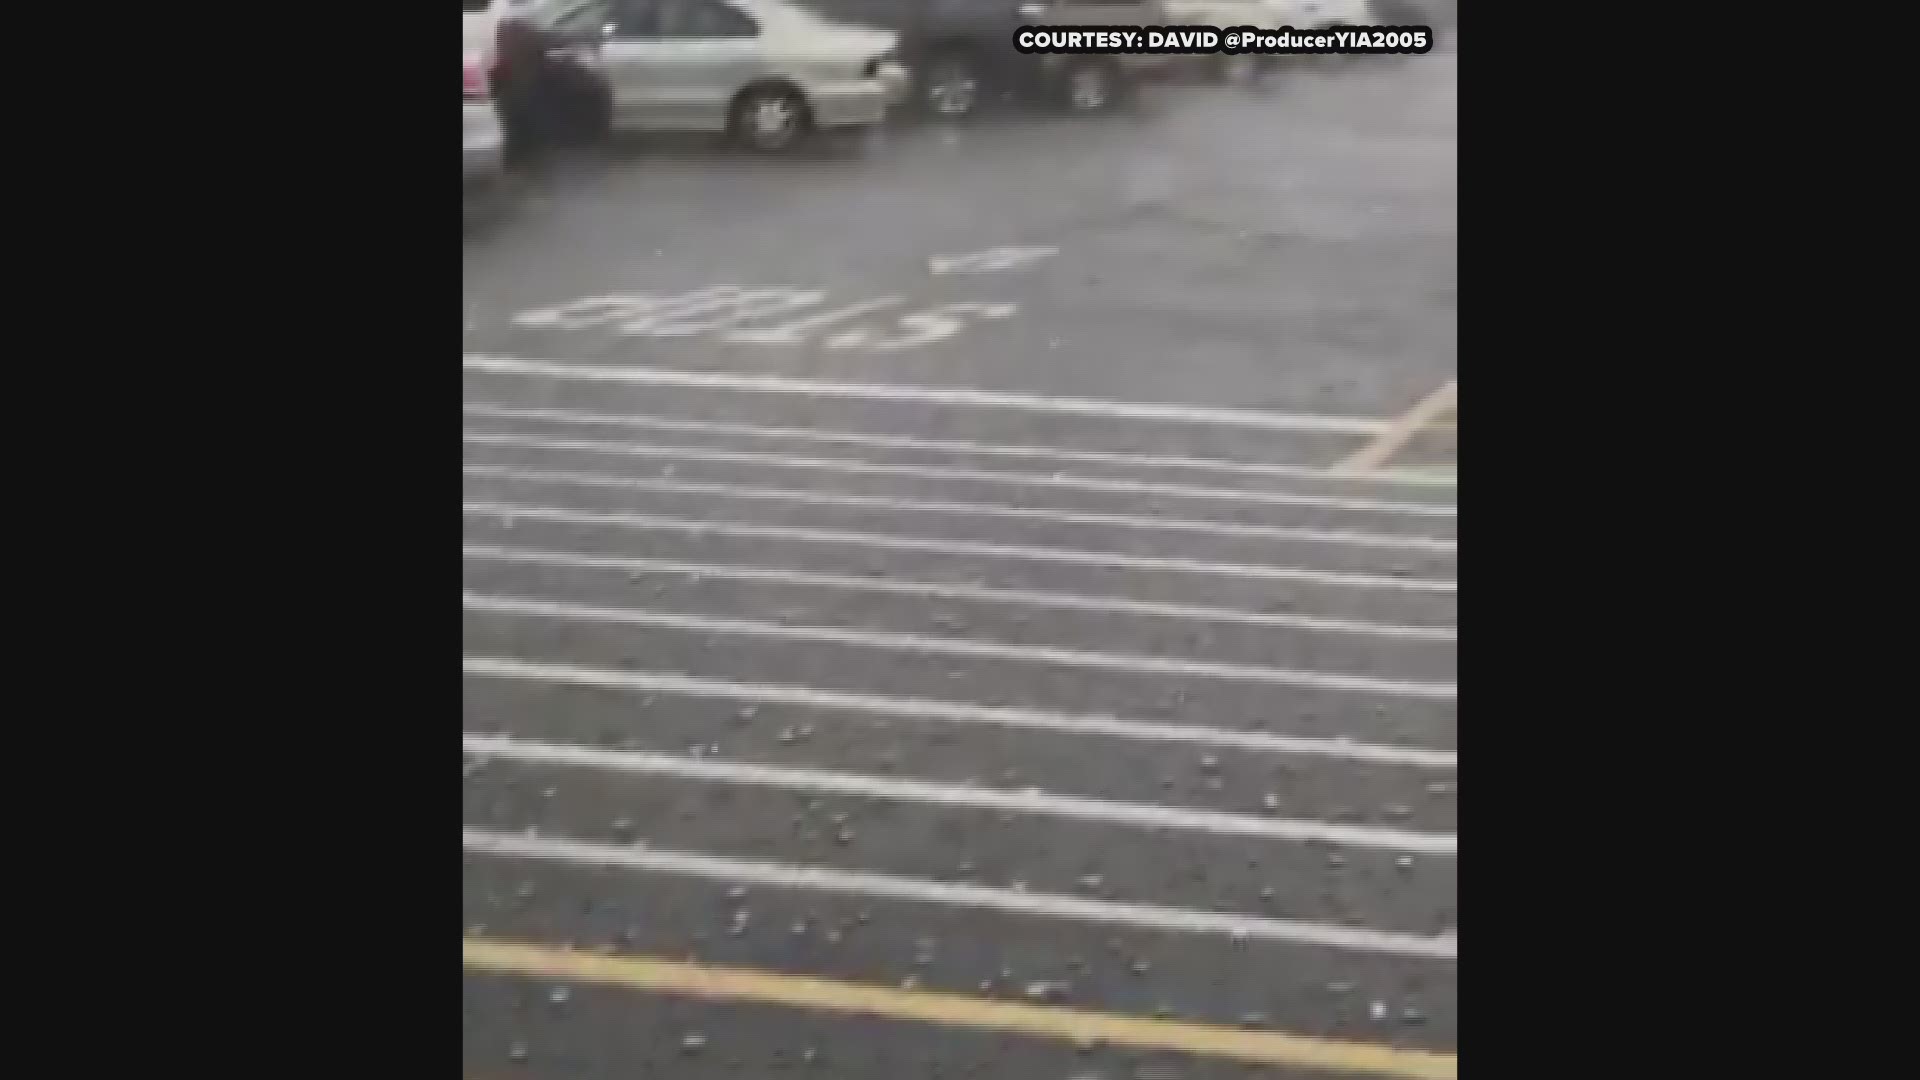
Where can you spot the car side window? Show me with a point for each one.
(976, 9)
(682, 19)
(635, 18)
(710, 19)
(584, 19)
(863, 11)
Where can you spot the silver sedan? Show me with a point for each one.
(765, 71)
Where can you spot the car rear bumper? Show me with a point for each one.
(482, 142)
(853, 104)
(897, 81)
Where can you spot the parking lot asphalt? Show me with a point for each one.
(971, 602)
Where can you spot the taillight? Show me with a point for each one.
(473, 82)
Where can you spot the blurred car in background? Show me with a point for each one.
(1316, 14)
(1322, 14)
(961, 54)
(477, 20)
(1431, 13)
(1226, 14)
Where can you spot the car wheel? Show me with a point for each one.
(769, 118)
(951, 88)
(1090, 86)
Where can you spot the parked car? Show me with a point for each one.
(477, 21)
(1225, 14)
(764, 71)
(1324, 13)
(961, 51)
(1433, 13)
(1320, 13)
(482, 138)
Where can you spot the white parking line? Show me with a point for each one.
(888, 708)
(1391, 541)
(648, 422)
(923, 590)
(524, 607)
(1038, 803)
(949, 472)
(510, 512)
(985, 262)
(952, 894)
(794, 332)
(958, 397)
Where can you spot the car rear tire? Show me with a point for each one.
(951, 88)
(769, 119)
(1090, 85)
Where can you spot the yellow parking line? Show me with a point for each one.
(1437, 470)
(1270, 1048)
(1401, 431)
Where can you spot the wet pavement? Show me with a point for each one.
(922, 564)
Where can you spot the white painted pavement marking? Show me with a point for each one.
(509, 512)
(1393, 541)
(794, 333)
(586, 311)
(920, 327)
(722, 306)
(658, 315)
(718, 309)
(888, 707)
(955, 396)
(650, 422)
(1029, 801)
(1032, 800)
(526, 607)
(953, 894)
(1416, 474)
(971, 593)
(952, 472)
(990, 260)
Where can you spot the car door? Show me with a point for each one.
(676, 64)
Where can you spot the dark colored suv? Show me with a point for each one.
(961, 56)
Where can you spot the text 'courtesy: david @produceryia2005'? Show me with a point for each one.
(1214, 39)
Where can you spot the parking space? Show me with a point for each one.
(1212, 246)
(972, 602)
